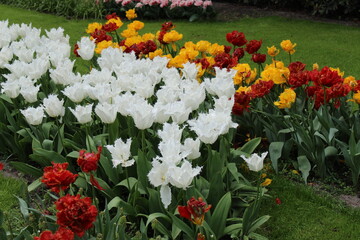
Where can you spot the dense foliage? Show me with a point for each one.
(155, 9)
(345, 9)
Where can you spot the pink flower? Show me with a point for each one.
(126, 2)
(198, 3)
(207, 3)
(164, 3)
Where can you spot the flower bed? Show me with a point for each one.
(168, 9)
(151, 131)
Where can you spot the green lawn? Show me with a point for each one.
(303, 214)
(9, 188)
(306, 215)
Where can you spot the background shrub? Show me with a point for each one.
(343, 9)
(68, 8)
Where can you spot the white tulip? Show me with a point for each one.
(120, 153)
(33, 116)
(82, 113)
(191, 148)
(222, 84)
(86, 48)
(255, 162)
(190, 71)
(106, 111)
(210, 126)
(6, 54)
(75, 92)
(30, 93)
(10, 88)
(181, 177)
(53, 106)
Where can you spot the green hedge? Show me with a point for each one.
(341, 9)
(68, 8)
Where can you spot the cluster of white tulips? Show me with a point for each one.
(146, 90)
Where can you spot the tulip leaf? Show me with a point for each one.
(182, 226)
(26, 168)
(73, 154)
(275, 150)
(50, 155)
(1, 218)
(154, 216)
(2, 233)
(286, 130)
(258, 222)
(34, 185)
(194, 17)
(110, 171)
(118, 202)
(332, 132)
(24, 209)
(304, 166)
(233, 229)
(219, 216)
(251, 145)
(330, 151)
(48, 144)
(143, 168)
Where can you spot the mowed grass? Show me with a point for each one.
(306, 215)
(303, 214)
(327, 44)
(9, 188)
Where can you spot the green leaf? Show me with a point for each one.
(182, 226)
(257, 236)
(26, 169)
(153, 216)
(194, 17)
(155, 204)
(219, 216)
(110, 171)
(330, 151)
(215, 165)
(332, 132)
(304, 166)
(48, 144)
(118, 202)
(143, 168)
(34, 185)
(1, 218)
(131, 180)
(286, 130)
(251, 145)
(24, 209)
(258, 222)
(73, 154)
(275, 150)
(81, 181)
(107, 190)
(52, 156)
(320, 135)
(46, 127)
(2, 233)
(233, 229)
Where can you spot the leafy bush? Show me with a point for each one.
(67, 8)
(175, 9)
(329, 8)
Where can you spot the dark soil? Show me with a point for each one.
(232, 11)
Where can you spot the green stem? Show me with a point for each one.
(127, 178)
(289, 58)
